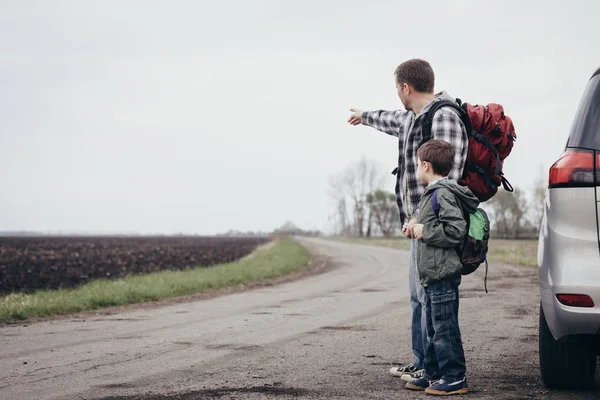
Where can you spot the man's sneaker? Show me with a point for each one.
(406, 377)
(407, 369)
(444, 388)
(419, 384)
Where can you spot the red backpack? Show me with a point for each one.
(491, 138)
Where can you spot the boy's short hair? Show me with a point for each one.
(440, 154)
(417, 73)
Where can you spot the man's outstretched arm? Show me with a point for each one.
(390, 122)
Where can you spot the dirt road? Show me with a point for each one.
(328, 336)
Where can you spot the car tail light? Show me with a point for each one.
(575, 300)
(575, 168)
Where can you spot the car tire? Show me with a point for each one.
(565, 364)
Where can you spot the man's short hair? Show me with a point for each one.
(417, 73)
(440, 154)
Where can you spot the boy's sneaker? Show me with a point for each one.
(445, 388)
(406, 377)
(407, 369)
(419, 384)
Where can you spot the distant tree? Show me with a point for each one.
(289, 228)
(539, 196)
(354, 184)
(509, 210)
(383, 208)
(340, 218)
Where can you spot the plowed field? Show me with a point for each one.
(31, 263)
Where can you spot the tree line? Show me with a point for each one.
(363, 207)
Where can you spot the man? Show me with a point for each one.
(415, 84)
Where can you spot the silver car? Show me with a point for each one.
(569, 254)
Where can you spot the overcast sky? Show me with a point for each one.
(205, 116)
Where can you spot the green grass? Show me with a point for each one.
(401, 243)
(522, 252)
(283, 257)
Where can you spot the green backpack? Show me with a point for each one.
(474, 248)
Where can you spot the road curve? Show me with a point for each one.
(332, 335)
(50, 360)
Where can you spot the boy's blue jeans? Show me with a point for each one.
(444, 353)
(417, 304)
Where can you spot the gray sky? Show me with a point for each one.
(201, 116)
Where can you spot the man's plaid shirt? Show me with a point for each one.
(446, 126)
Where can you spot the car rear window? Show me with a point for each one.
(585, 131)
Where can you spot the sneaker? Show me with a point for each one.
(419, 384)
(443, 388)
(409, 377)
(407, 369)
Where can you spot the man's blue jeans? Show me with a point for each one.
(444, 353)
(417, 303)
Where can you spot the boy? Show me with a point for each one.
(439, 268)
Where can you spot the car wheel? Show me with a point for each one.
(565, 365)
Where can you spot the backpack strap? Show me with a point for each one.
(507, 186)
(428, 121)
(460, 108)
(485, 279)
(482, 139)
(435, 204)
(483, 173)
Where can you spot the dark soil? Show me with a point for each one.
(32, 263)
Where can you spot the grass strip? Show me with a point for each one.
(521, 252)
(282, 257)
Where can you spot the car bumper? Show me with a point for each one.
(569, 262)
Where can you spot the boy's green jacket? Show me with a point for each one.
(437, 258)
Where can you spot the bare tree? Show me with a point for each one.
(518, 211)
(354, 184)
(343, 215)
(339, 219)
(538, 196)
(384, 209)
(509, 210)
(340, 216)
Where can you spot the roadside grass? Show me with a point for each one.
(521, 252)
(282, 257)
(397, 242)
